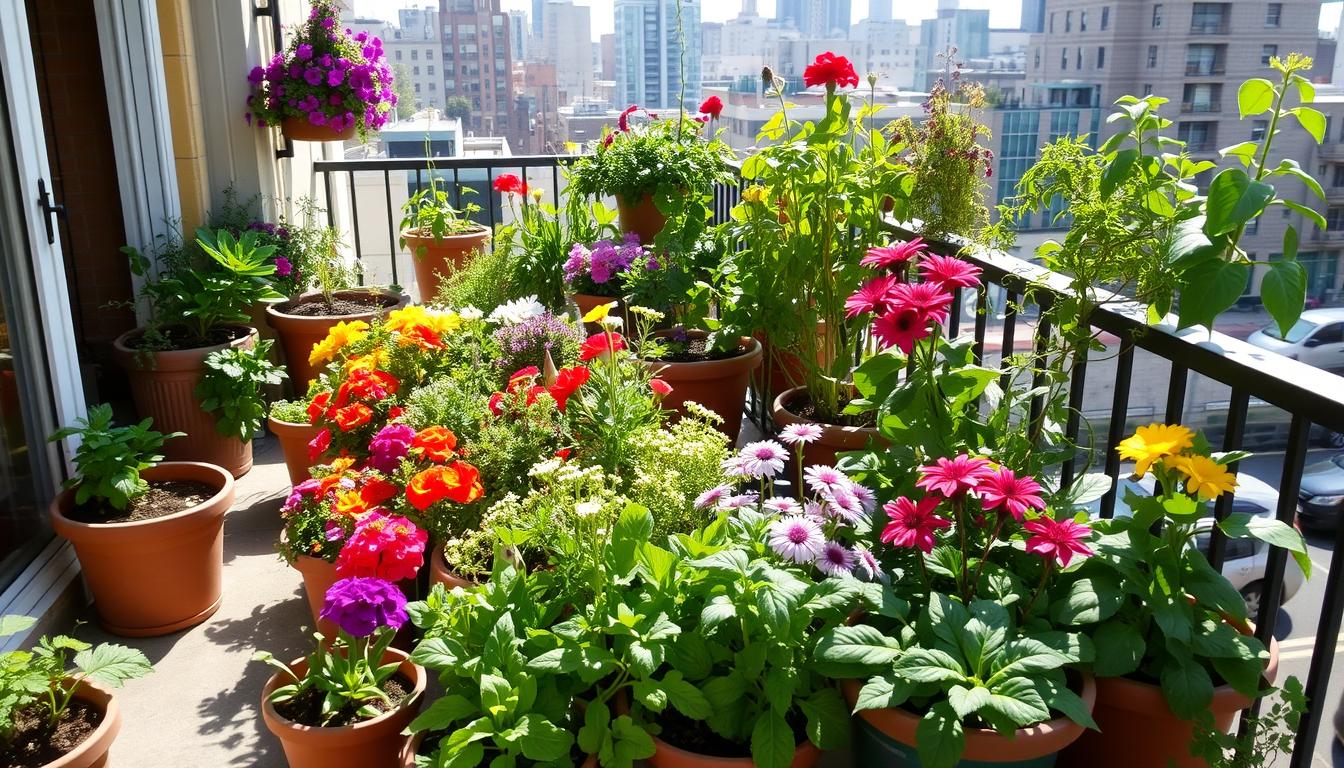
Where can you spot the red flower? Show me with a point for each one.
(951, 478)
(319, 445)
(870, 296)
(900, 328)
(601, 345)
(352, 416)
(367, 385)
(606, 140)
(1060, 539)
(376, 490)
(831, 71)
(660, 388)
(395, 412)
(928, 299)
(1003, 488)
(567, 382)
(562, 454)
(458, 482)
(318, 406)
(510, 185)
(913, 524)
(435, 443)
(422, 336)
(496, 404)
(623, 122)
(713, 106)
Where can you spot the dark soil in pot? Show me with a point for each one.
(306, 708)
(340, 306)
(695, 735)
(698, 351)
(35, 745)
(175, 337)
(801, 405)
(165, 497)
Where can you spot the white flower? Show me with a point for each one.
(587, 508)
(611, 323)
(470, 314)
(517, 311)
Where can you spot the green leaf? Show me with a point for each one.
(1242, 674)
(1186, 686)
(1244, 152)
(780, 685)
(717, 611)
(940, 737)
(445, 711)
(629, 741)
(1290, 167)
(776, 607)
(1209, 289)
(883, 691)
(967, 701)
(724, 691)
(113, 664)
(1211, 588)
(929, 665)
(1188, 245)
(859, 644)
(1271, 531)
(772, 743)
(1018, 700)
(1234, 199)
(1313, 215)
(828, 720)
(1117, 170)
(1284, 289)
(13, 624)
(1255, 96)
(596, 724)
(543, 740)
(1087, 601)
(687, 699)
(1312, 120)
(495, 692)
(632, 528)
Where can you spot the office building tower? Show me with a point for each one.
(649, 61)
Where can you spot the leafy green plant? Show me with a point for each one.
(289, 411)
(231, 386)
(109, 459)
(429, 212)
(483, 281)
(1261, 740)
(42, 677)
(536, 243)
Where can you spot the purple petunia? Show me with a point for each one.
(296, 494)
(361, 606)
(390, 446)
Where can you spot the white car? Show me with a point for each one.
(1245, 561)
(1316, 339)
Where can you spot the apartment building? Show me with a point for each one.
(568, 46)
(649, 62)
(414, 46)
(478, 62)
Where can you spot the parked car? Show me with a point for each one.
(1245, 561)
(1322, 494)
(1317, 338)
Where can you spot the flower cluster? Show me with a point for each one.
(326, 77)
(905, 312)
(529, 342)
(382, 547)
(321, 512)
(1166, 449)
(523, 389)
(360, 606)
(599, 269)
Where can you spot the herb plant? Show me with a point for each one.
(1263, 740)
(109, 459)
(430, 213)
(289, 411)
(232, 386)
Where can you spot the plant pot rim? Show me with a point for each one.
(478, 232)
(982, 743)
(782, 415)
(299, 129)
(121, 343)
(278, 309)
(288, 426)
(100, 741)
(438, 567)
(685, 757)
(196, 471)
(277, 722)
(711, 369)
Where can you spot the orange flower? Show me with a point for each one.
(458, 482)
(369, 362)
(352, 416)
(422, 336)
(317, 406)
(351, 503)
(468, 488)
(435, 443)
(376, 490)
(371, 385)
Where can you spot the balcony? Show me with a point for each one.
(1201, 107)
(1204, 69)
(1209, 28)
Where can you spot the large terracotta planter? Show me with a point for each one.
(886, 737)
(298, 129)
(719, 385)
(298, 333)
(641, 217)
(440, 573)
(92, 751)
(318, 576)
(154, 577)
(435, 258)
(294, 439)
(163, 385)
(834, 439)
(1138, 728)
(375, 743)
(667, 756)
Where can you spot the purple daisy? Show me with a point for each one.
(796, 538)
(783, 505)
(801, 433)
(740, 501)
(712, 497)
(843, 504)
(836, 559)
(866, 566)
(764, 458)
(865, 496)
(823, 479)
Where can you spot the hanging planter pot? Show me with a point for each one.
(719, 384)
(641, 217)
(435, 258)
(302, 322)
(299, 129)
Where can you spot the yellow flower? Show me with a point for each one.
(400, 320)
(341, 335)
(367, 363)
(599, 313)
(754, 194)
(1152, 443)
(1204, 476)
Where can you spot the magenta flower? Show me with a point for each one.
(836, 559)
(1058, 539)
(953, 477)
(928, 299)
(900, 329)
(801, 433)
(865, 496)
(913, 524)
(949, 272)
(712, 497)
(283, 267)
(871, 296)
(740, 501)
(1002, 489)
(361, 606)
(796, 538)
(390, 446)
(901, 253)
(764, 458)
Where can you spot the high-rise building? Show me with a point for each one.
(886, 48)
(538, 18)
(608, 45)
(650, 36)
(520, 29)
(966, 30)
(789, 13)
(838, 16)
(413, 48)
(1033, 16)
(478, 62)
(568, 45)
(879, 10)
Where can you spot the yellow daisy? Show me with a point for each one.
(1204, 476)
(599, 313)
(341, 335)
(1152, 443)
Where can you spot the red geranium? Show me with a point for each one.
(319, 445)
(352, 416)
(713, 106)
(318, 406)
(567, 382)
(660, 388)
(510, 185)
(831, 71)
(376, 490)
(435, 443)
(600, 345)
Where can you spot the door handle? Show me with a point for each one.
(48, 210)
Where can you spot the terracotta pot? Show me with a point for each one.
(413, 746)
(886, 737)
(1138, 728)
(834, 439)
(375, 743)
(318, 576)
(298, 333)
(154, 577)
(641, 217)
(667, 756)
(434, 258)
(719, 385)
(163, 385)
(294, 439)
(440, 573)
(92, 751)
(298, 129)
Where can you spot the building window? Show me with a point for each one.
(429, 54)
(1202, 97)
(1334, 217)
(1253, 228)
(1105, 17)
(1147, 89)
(1268, 52)
(1068, 21)
(415, 54)
(1152, 56)
(1337, 177)
(1208, 19)
(1273, 12)
(1101, 57)
(1082, 21)
(417, 87)
(1038, 58)
(1258, 128)
(430, 70)
(1052, 21)
(1063, 58)
(1078, 59)
(1325, 135)
(398, 54)
(1157, 16)
(1198, 137)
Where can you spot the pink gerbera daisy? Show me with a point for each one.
(783, 505)
(870, 296)
(949, 272)
(712, 497)
(1058, 539)
(1003, 489)
(953, 477)
(796, 538)
(900, 253)
(913, 524)
(836, 559)
(764, 458)
(930, 300)
(824, 479)
(900, 329)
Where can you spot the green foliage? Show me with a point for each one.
(539, 239)
(109, 459)
(232, 386)
(404, 87)
(447, 402)
(349, 674)
(650, 157)
(311, 249)
(482, 282)
(458, 107)
(290, 411)
(672, 465)
(429, 212)
(1261, 740)
(42, 677)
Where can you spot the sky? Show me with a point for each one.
(1002, 13)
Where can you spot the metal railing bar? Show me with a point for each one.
(954, 319)
(1176, 389)
(1322, 662)
(1073, 422)
(1040, 349)
(1009, 334)
(354, 225)
(417, 163)
(331, 208)
(1294, 460)
(1233, 436)
(1124, 375)
(981, 322)
(391, 226)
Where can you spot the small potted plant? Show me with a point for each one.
(233, 389)
(288, 421)
(440, 237)
(326, 86)
(149, 535)
(195, 312)
(346, 704)
(1176, 625)
(55, 717)
(594, 274)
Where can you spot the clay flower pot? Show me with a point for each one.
(299, 129)
(1138, 728)
(834, 440)
(375, 743)
(318, 576)
(92, 751)
(294, 439)
(667, 756)
(163, 385)
(298, 333)
(154, 577)
(433, 258)
(440, 573)
(719, 385)
(886, 737)
(641, 217)
(587, 302)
